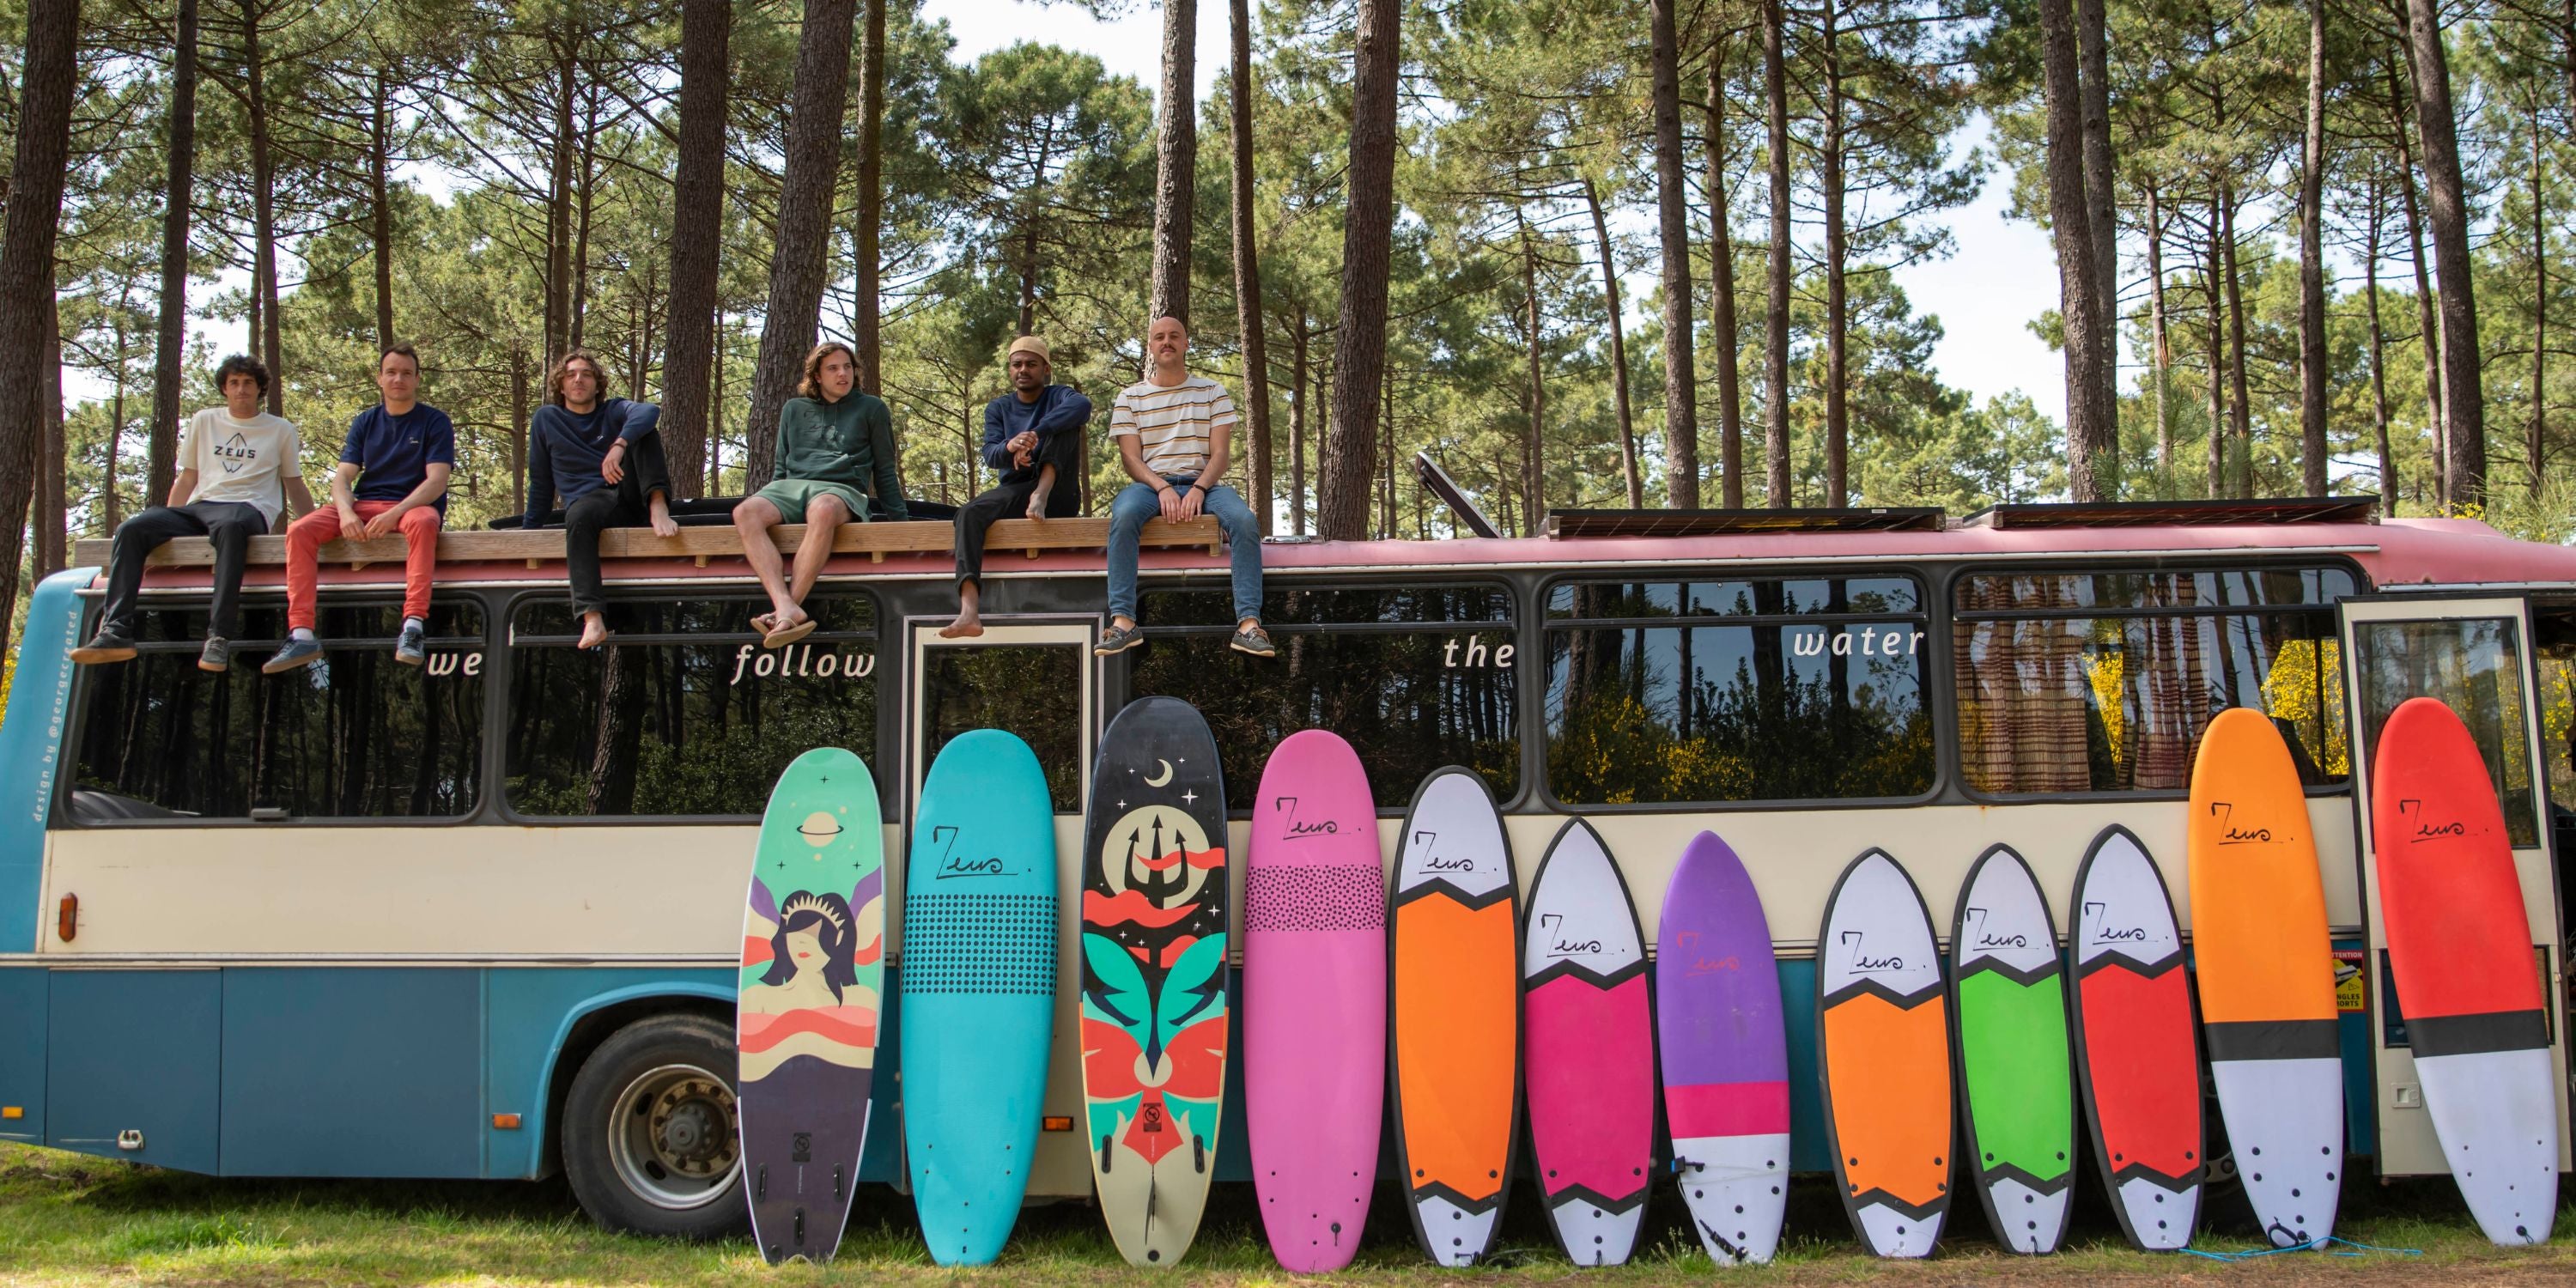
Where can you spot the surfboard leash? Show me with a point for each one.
(2356, 1250)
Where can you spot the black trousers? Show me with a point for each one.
(626, 504)
(230, 524)
(1011, 501)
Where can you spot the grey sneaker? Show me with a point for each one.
(296, 653)
(1256, 641)
(217, 656)
(411, 648)
(1117, 639)
(106, 646)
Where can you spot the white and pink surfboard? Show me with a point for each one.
(1591, 1049)
(1314, 1000)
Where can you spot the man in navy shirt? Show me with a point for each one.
(604, 459)
(392, 477)
(1033, 437)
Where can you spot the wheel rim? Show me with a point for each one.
(673, 1137)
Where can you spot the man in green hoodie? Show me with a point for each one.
(835, 453)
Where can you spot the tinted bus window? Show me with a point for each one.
(1415, 678)
(2103, 682)
(683, 713)
(1749, 689)
(356, 735)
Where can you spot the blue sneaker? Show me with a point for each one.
(411, 648)
(296, 653)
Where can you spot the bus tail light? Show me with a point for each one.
(1058, 1122)
(13, 1111)
(505, 1122)
(67, 921)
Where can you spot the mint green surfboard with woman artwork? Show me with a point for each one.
(813, 976)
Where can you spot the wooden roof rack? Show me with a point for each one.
(700, 543)
(1703, 523)
(2133, 514)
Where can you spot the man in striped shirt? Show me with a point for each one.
(1173, 430)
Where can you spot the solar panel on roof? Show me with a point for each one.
(1703, 523)
(2132, 514)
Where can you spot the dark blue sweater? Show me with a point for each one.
(566, 448)
(1059, 409)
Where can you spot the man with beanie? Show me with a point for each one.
(1033, 438)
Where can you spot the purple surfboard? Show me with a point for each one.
(1314, 1000)
(1725, 1053)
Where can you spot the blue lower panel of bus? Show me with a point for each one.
(131, 1065)
(24, 998)
(352, 1072)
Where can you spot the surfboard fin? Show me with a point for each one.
(760, 1183)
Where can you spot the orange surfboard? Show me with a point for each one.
(1883, 1024)
(2266, 974)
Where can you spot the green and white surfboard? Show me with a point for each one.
(2008, 992)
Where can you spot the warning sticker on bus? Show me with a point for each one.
(2350, 982)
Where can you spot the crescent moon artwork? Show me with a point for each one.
(1165, 780)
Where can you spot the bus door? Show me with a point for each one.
(2475, 655)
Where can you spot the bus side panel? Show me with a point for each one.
(529, 1012)
(135, 1051)
(356, 1071)
(1807, 1152)
(22, 1054)
(31, 740)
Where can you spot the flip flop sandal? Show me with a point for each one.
(786, 635)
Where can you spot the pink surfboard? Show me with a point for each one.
(1314, 1000)
(1591, 1049)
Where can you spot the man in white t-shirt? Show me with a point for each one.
(1173, 430)
(238, 467)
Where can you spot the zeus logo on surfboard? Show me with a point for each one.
(2427, 829)
(1298, 829)
(1433, 862)
(1857, 960)
(953, 865)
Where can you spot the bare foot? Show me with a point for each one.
(967, 626)
(594, 630)
(1037, 504)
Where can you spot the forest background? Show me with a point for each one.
(1583, 253)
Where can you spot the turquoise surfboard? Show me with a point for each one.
(979, 958)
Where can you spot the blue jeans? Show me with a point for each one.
(1138, 502)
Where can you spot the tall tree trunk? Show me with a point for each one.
(263, 198)
(559, 207)
(2159, 340)
(27, 233)
(2091, 446)
(2428, 324)
(2388, 488)
(2535, 441)
(53, 516)
(1176, 160)
(1775, 321)
(380, 145)
(520, 409)
(716, 409)
(1386, 457)
(1837, 283)
(2312, 274)
(1721, 292)
(108, 502)
(2242, 428)
(579, 265)
(1247, 268)
(1618, 351)
(1534, 448)
(870, 234)
(2463, 385)
(1681, 379)
(170, 352)
(697, 236)
(2091, 41)
(813, 162)
(1297, 340)
(1029, 278)
(1368, 227)
(2216, 291)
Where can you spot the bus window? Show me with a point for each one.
(1033, 690)
(2103, 682)
(1415, 678)
(683, 714)
(1747, 689)
(2474, 665)
(355, 735)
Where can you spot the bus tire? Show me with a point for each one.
(650, 1142)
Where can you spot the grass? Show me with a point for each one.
(71, 1219)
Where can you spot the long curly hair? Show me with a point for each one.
(555, 376)
(812, 386)
(828, 916)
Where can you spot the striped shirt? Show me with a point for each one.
(1175, 425)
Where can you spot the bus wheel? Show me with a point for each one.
(650, 1143)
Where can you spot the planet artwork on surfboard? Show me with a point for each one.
(1590, 1047)
(1154, 976)
(1454, 1015)
(1883, 1029)
(1724, 1045)
(2265, 968)
(2008, 1001)
(978, 995)
(2477, 1020)
(810, 990)
(2137, 1049)
(1314, 1000)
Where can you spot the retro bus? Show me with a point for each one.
(481, 918)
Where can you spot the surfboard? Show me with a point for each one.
(1154, 975)
(2476, 1017)
(1455, 1015)
(2137, 1050)
(805, 1019)
(1884, 1028)
(1725, 1052)
(2008, 997)
(1591, 1049)
(2266, 973)
(1314, 1000)
(978, 1004)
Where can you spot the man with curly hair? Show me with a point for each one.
(603, 458)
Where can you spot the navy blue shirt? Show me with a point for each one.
(566, 448)
(1059, 409)
(393, 453)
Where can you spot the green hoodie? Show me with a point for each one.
(850, 442)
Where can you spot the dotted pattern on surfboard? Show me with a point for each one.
(978, 1004)
(810, 992)
(2008, 997)
(2137, 1048)
(1883, 1030)
(2265, 969)
(2476, 1016)
(1724, 1046)
(1455, 1015)
(1591, 1049)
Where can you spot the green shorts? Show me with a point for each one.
(792, 496)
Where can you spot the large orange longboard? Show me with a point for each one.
(2266, 975)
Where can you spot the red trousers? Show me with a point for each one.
(304, 539)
